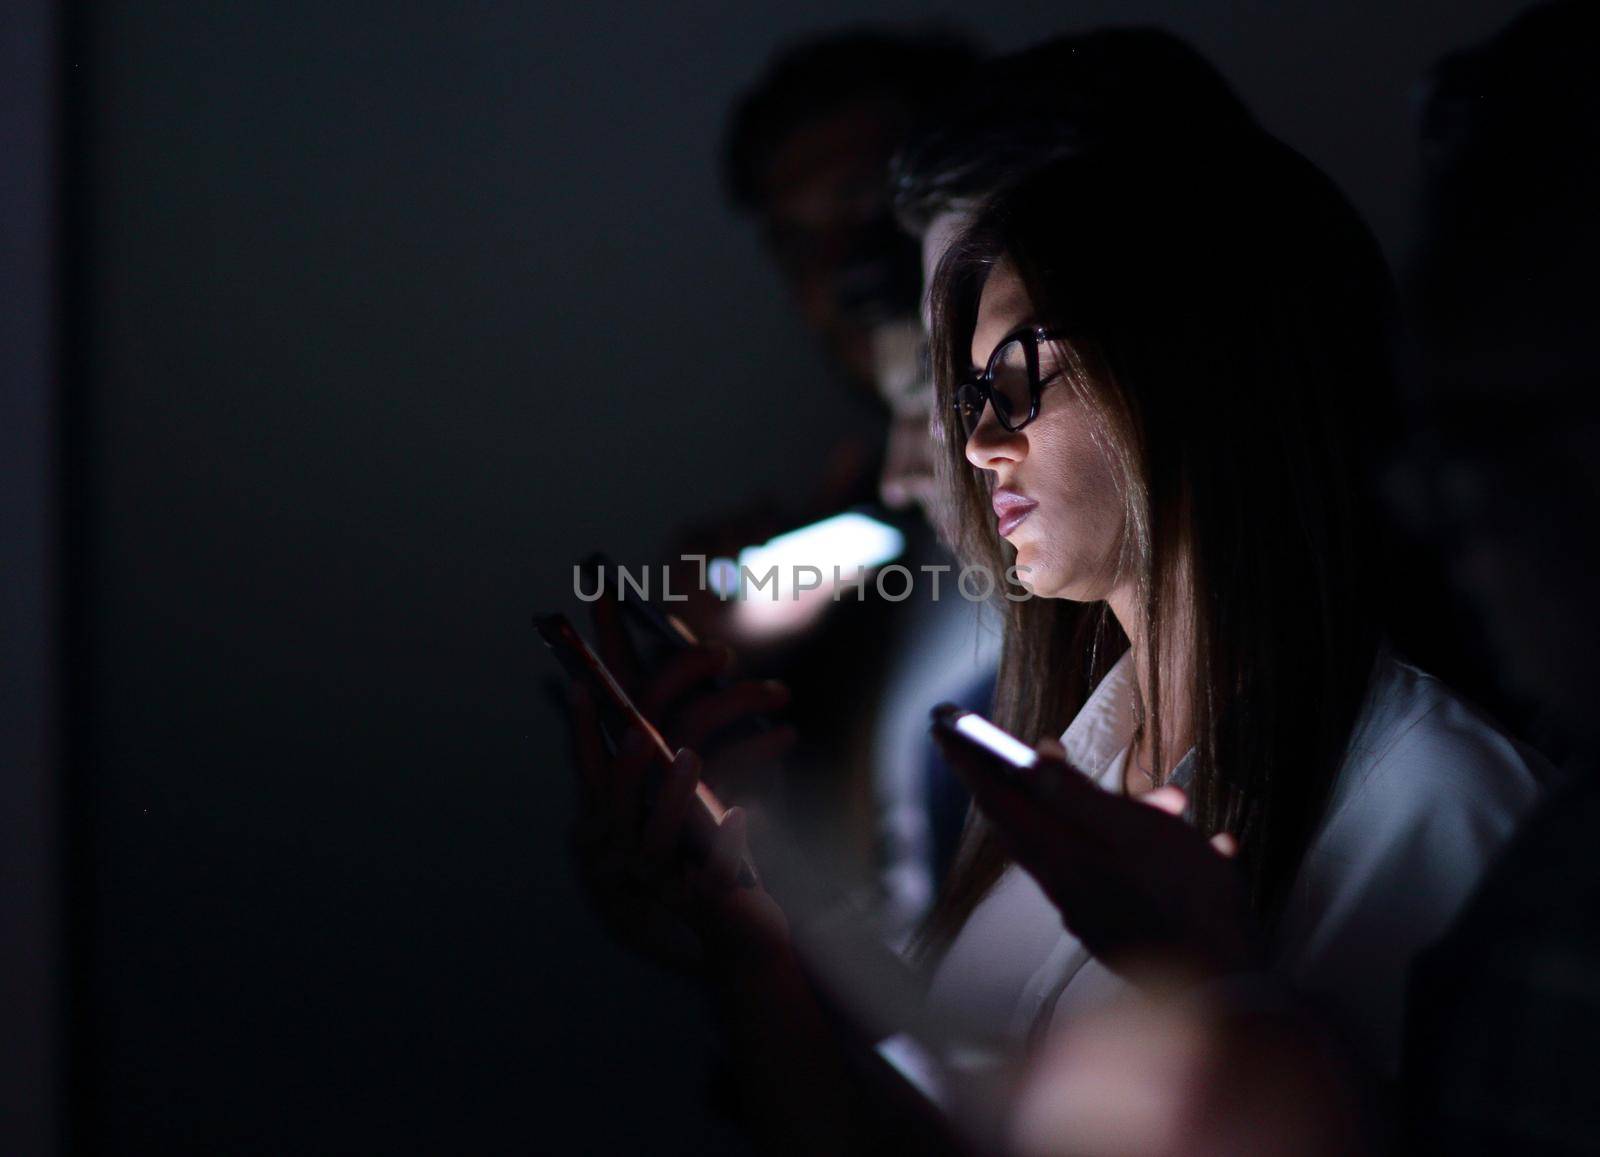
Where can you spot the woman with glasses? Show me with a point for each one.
(1166, 382)
(1163, 383)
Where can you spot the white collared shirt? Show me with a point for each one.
(1427, 794)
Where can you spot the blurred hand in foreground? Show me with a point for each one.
(671, 885)
(1191, 1071)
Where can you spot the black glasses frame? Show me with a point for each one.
(977, 393)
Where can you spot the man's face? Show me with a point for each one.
(904, 385)
(829, 226)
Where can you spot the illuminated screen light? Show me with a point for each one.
(803, 564)
(723, 576)
(850, 543)
(1007, 747)
(917, 1065)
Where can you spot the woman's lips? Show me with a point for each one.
(1011, 509)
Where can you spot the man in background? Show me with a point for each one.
(806, 155)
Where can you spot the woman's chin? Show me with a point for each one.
(1034, 575)
(1042, 580)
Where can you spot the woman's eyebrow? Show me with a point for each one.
(1030, 323)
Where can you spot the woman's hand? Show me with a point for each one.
(1132, 880)
(686, 907)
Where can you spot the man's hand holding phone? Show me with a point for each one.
(665, 862)
(689, 694)
(629, 842)
(1132, 880)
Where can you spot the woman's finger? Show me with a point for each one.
(663, 826)
(680, 674)
(1168, 799)
(1226, 844)
(729, 851)
(709, 714)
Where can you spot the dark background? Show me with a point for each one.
(378, 317)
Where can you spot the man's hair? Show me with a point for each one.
(1510, 133)
(813, 78)
(1018, 113)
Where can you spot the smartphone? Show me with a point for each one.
(1014, 758)
(618, 715)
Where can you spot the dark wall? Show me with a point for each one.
(30, 675)
(393, 311)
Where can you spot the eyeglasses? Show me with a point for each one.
(1010, 382)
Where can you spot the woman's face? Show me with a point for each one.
(1055, 491)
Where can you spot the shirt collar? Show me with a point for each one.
(1104, 727)
(1096, 740)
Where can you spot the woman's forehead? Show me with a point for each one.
(1003, 306)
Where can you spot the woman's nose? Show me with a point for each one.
(990, 444)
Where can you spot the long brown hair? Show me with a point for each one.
(1230, 326)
